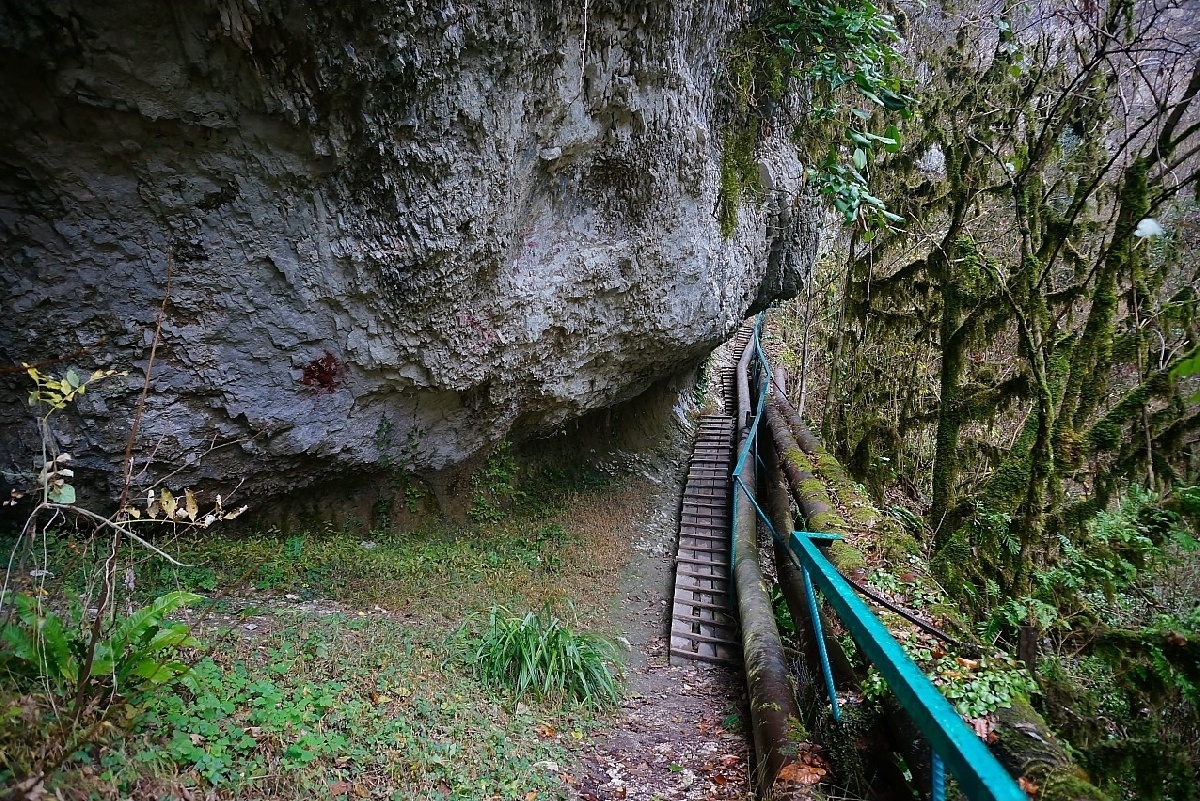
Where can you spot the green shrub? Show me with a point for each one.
(537, 655)
(67, 681)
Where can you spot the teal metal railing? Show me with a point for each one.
(954, 746)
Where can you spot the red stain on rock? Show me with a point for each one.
(324, 373)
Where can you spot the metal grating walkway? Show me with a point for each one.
(703, 625)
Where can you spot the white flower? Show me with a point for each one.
(1148, 227)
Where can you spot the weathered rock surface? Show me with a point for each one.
(400, 229)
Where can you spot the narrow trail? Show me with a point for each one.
(674, 737)
(679, 733)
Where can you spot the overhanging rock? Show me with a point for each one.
(399, 229)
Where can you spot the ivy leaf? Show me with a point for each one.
(1186, 368)
(62, 493)
(892, 101)
(857, 137)
(894, 141)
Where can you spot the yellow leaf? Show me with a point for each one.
(153, 509)
(234, 513)
(168, 502)
(133, 511)
(190, 504)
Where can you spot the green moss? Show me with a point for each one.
(1155, 770)
(842, 742)
(757, 70)
(863, 517)
(896, 546)
(829, 522)
(1105, 436)
(830, 467)
(797, 732)
(740, 177)
(797, 458)
(845, 557)
(1068, 448)
(951, 617)
(954, 567)
(1028, 748)
(813, 487)
(1007, 485)
(1069, 785)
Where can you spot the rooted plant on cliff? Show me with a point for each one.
(844, 60)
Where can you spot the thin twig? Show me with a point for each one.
(117, 527)
(141, 404)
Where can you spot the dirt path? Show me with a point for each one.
(679, 733)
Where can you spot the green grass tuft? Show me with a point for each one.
(536, 655)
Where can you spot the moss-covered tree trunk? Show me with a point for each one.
(949, 424)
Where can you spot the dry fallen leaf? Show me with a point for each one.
(984, 728)
(799, 773)
(339, 788)
(1029, 787)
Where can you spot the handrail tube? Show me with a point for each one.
(979, 774)
(772, 703)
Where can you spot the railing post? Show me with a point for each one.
(815, 615)
(980, 776)
(936, 767)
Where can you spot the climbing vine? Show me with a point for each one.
(848, 56)
(844, 58)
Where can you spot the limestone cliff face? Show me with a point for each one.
(401, 229)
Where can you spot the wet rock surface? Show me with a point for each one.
(398, 231)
